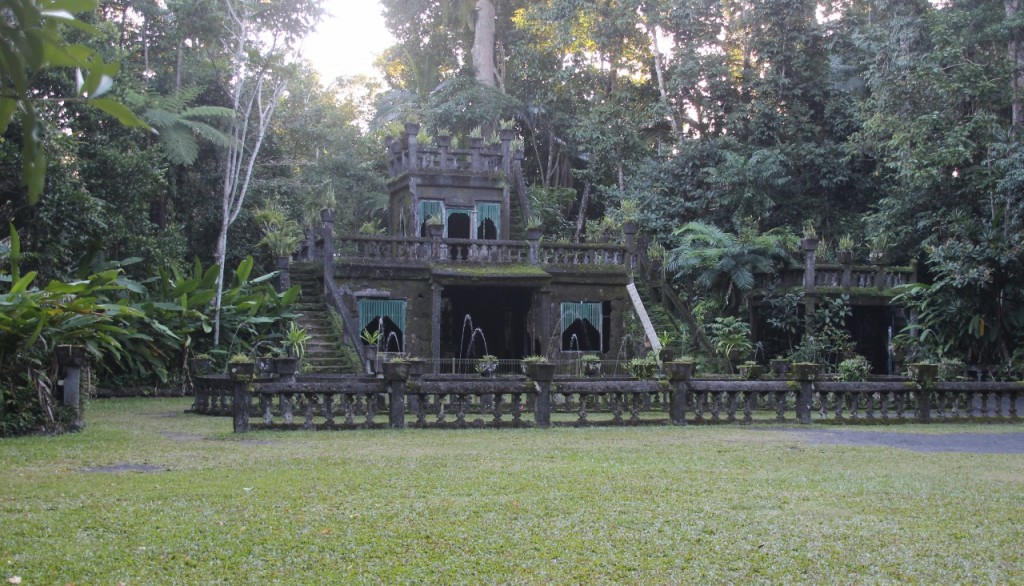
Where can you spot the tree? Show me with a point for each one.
(30, 44)
(256, 84)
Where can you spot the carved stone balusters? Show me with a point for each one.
(460, 409)
(616, 405)
(634, 408)
(265, 404)
(286, 407)
(731, 409)
(371, 408)
(716, 405)
(441, 415)
(348, 404)
(780, 405)
(309, 404)
(699, 405)
(582, 411)
(421, 410)
(517, 408)
(329, 410)
(1013, 403)
(840, 400)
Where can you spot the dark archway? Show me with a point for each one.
(500, 313)
(487, 231)
(392, 339)
(581, 335)
(458, 225)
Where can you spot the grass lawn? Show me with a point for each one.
(610, 505)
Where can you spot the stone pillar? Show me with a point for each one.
(396, 396)
(283, 278)
(542, 409)
(809, 246)
(677, 403)
(242, 396)
(475, 144)
(72, 359)
(328, 217)
(411, 130)
(435, 327)
(803, 401)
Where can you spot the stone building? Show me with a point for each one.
(458, 274)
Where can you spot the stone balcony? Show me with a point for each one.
(397, 251)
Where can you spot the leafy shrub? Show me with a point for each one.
(854, 369)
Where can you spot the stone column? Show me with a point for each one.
(72, 359)
(328, 217)
(809, 246)
(283, 278)
(435, 327)
(411, 130)
(542, 409)
(396, 396)
(241, 398)
(680, 382)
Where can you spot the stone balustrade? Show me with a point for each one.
(402, 250)
(443, 401)
(841, 277)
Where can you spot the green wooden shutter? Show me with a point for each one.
(371, 309)
(587, 311)
(489, 211)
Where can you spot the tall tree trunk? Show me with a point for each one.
(1015, 55)
(483, 43)
(659, 71)
(581, 219)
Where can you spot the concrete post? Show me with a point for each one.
(283, 278)
(542, 409)
(242, 396)
(396, 396)
(72, 359)
(328, 217)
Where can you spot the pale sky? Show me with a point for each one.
(348, 39)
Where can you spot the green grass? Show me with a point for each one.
(610, 505)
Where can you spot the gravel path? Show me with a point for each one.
(974, 443)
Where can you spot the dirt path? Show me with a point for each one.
(974, 443)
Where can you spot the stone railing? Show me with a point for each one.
(840, 277)
(400, 250)
(480, 160)
(352, 402)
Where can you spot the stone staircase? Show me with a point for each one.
(325, 351)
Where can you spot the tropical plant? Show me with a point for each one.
(370, 337)
(721, 261)
(295, 339)
(730, 335)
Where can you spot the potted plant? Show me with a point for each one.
(533, 228)
(779, 366)
(845, 246)
(200, 364)
(240, 365)
(397, 368)
(805, 371)
(681, 369)
(923, 372)
(751, 370)
(666, 354)
(371, 341)
(643, 368)
(435, 225)
(879, 253)
(487, 365)
(538, 368)
(591, 364)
